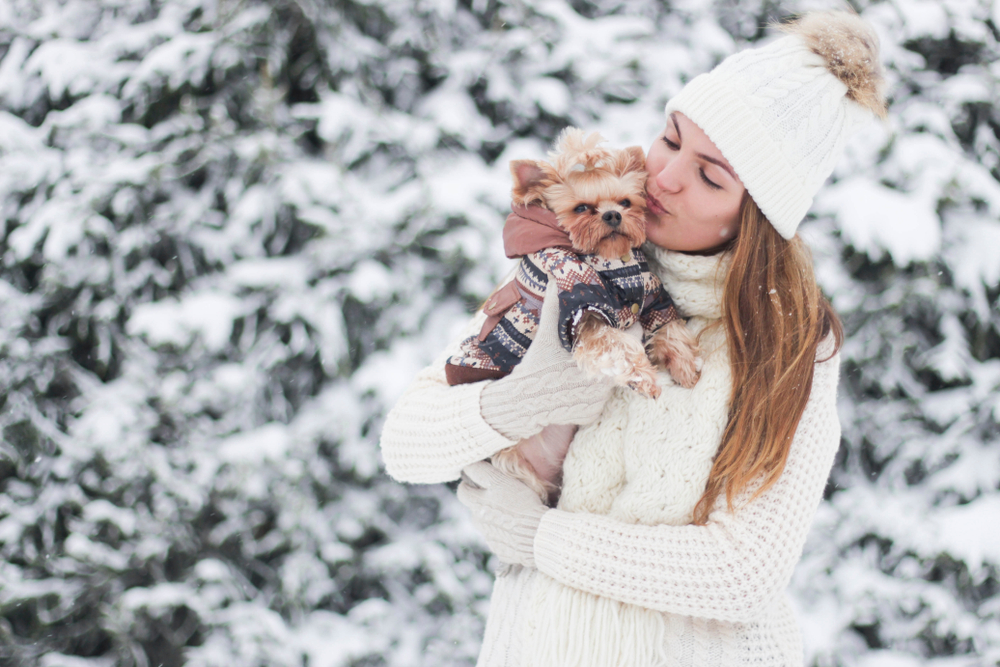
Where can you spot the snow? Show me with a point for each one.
(335, 552)
(309, 183)
(218, 277)
(15, 134)
(184, 57)
(451, 110)
(61, 660)
(330, 640)
(267, 443)
(968, 532)
(370, 281)
(950, 358)
(888, 658)
(67, 66)
(101, 510)
(156, 599)
(92, 112)
(208, 316)
(95, 554)
(876, 219)
(924, 18)
(550, 94)
(283, 273)
(973, 258)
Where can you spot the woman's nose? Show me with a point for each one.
(668, 178)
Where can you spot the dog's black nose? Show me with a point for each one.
(612, 218)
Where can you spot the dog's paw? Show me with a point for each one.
(685, 372)
(648, 388)
(605, 351)
(674, 349)
(642, 378)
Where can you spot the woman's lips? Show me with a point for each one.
(654, 206)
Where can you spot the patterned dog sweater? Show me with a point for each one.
(621, 290)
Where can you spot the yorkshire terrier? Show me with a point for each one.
(580, 219)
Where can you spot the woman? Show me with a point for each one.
(680, 519)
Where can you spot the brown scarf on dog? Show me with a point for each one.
(531, 228)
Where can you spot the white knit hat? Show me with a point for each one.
(781, 114)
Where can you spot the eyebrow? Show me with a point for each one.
(729, 170)
(707, 158)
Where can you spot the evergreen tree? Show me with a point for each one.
(233, 231)
(903, 564)
(195, 264)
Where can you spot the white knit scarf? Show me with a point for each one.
(566, 626)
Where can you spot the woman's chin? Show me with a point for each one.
(652, 222)
(655, 226)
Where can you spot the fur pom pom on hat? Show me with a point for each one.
(781, 113)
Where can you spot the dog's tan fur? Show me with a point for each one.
(512, 462)
(603, 179)
(581, 172)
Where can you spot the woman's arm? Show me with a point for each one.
(730, 569)
(435, 429)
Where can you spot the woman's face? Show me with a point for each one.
(693, 194)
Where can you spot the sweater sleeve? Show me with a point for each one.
(435, 430)
(730, 569)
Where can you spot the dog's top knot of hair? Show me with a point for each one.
(578, 151)
(850, 48)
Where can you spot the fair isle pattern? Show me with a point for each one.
(531, 280)
(706, 596)
(622, 290)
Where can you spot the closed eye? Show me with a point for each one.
(675, 147)
(708, 182)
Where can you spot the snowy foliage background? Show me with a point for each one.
(233, 230)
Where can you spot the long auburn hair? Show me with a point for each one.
(775, 318)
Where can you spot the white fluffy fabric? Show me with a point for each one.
(622, 578)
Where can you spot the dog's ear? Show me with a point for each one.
(528, 181)
(631, 159)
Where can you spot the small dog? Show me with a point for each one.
(580, 220)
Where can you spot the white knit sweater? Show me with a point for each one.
(623, 578)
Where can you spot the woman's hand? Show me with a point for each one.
(547, 387)
(504, 510)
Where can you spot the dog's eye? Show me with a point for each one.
(625, 203)
(582, 208)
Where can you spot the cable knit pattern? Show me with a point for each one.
(734, 569)
(505, 627)
(622, 577)
(521, 406)
(511, 511)
(780, 117)
(620, 465)
(547, 386)
(435, 430)
(697, 281)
